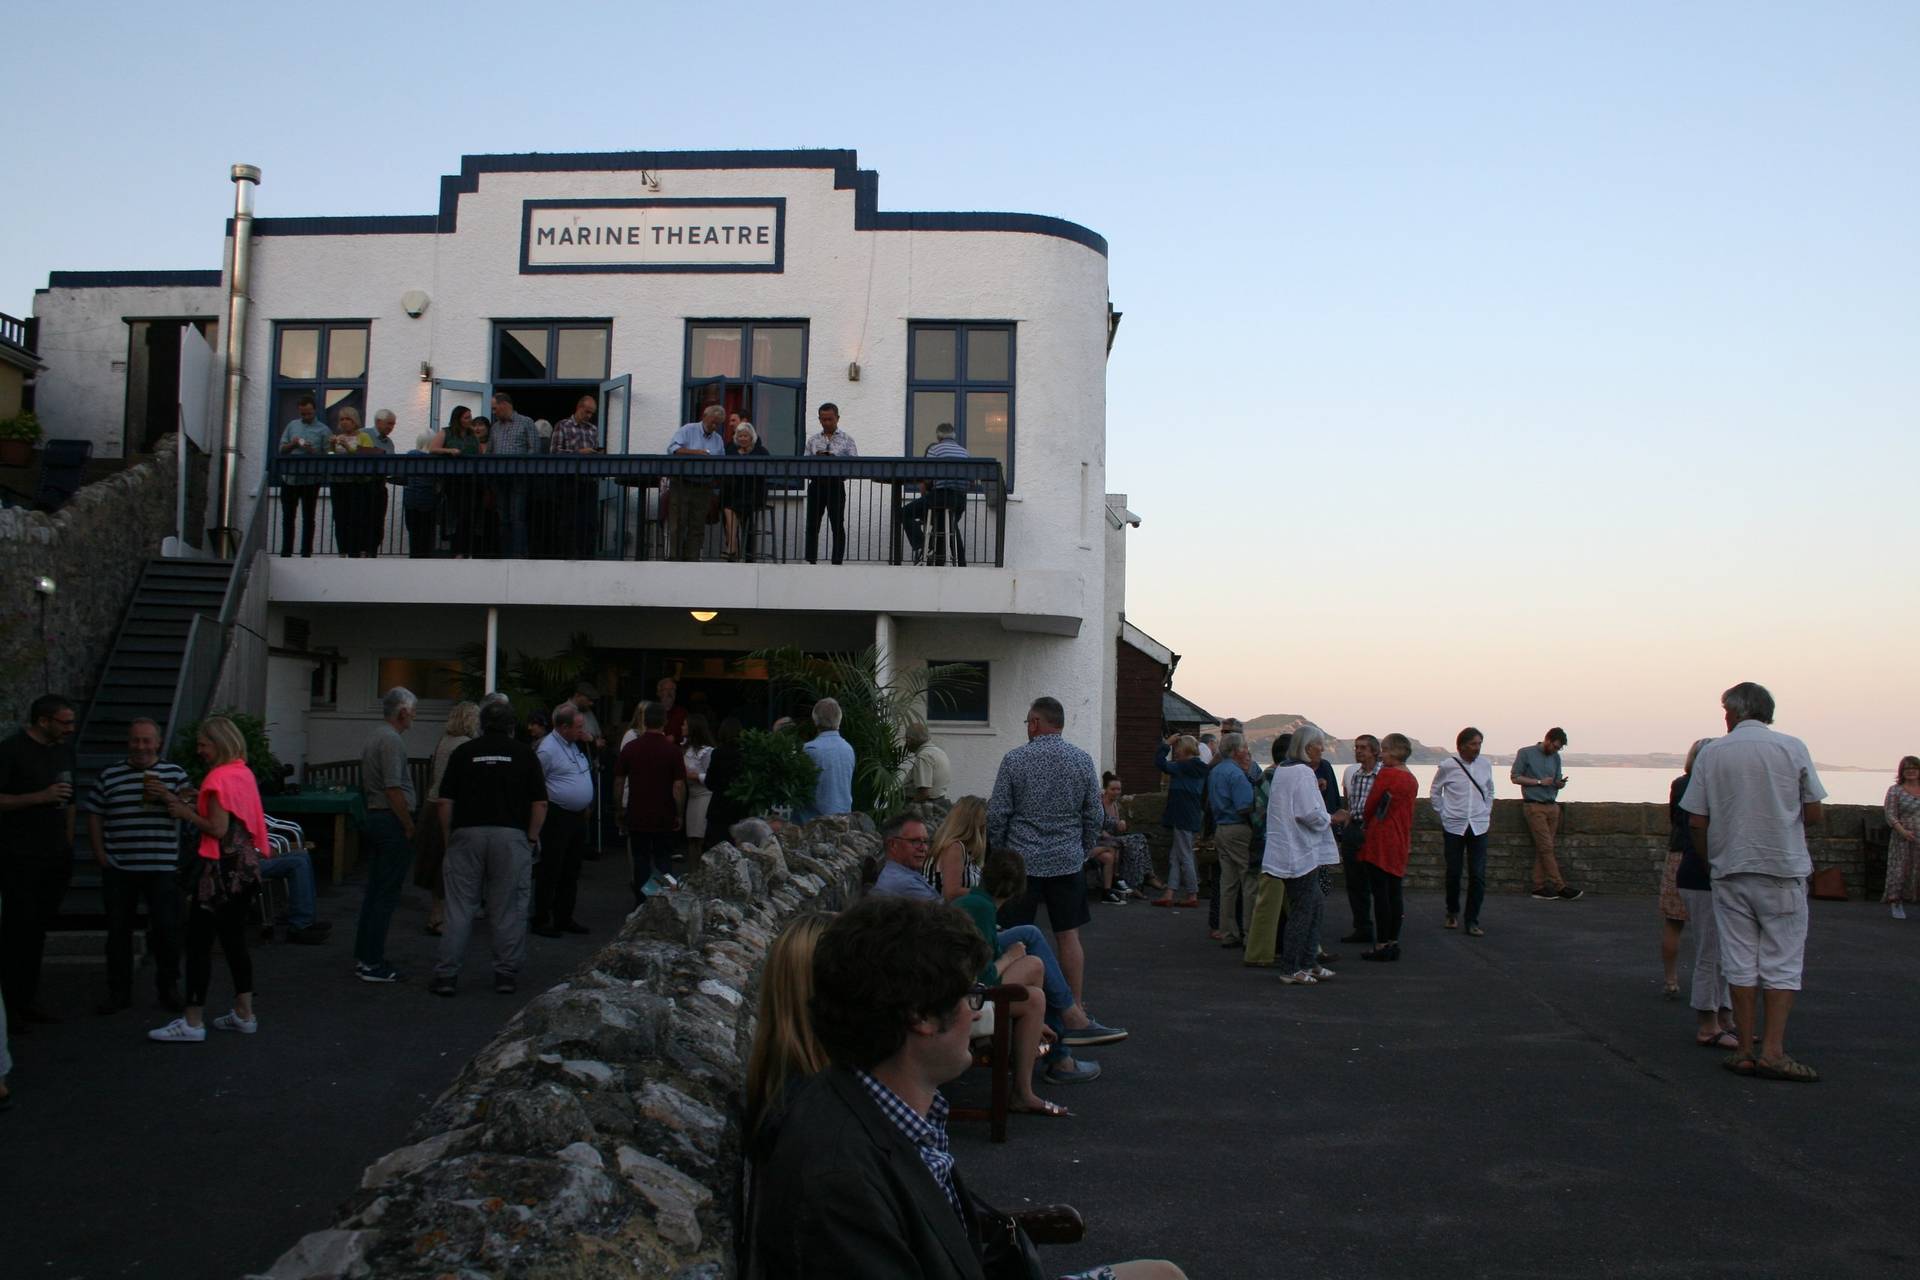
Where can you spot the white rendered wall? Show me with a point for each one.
(1053, 288)
(82, 393)
(1025, 667)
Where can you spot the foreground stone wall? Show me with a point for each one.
(1604, 848)
(598, 1135)
(93, 549)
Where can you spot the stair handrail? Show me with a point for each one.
(193, 686)
(210, 637)
(243, 558)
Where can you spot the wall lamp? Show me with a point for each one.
(704, 615)
(44, 586)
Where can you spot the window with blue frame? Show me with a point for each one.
(547, 365)
(326, 359)
(961, 372)
(755, 368)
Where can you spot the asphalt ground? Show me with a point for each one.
(1523, 1104)
(122, 1157)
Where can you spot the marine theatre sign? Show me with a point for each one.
(653, 235)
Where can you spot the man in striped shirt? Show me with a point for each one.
(946, 499)
(138, 846)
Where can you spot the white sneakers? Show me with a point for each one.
(180, 1031)
(1899, 911)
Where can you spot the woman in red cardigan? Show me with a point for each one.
(1389, 839)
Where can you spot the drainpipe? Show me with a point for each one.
(493, 648)
(226, 492)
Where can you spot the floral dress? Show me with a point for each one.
(1903, 855)
(1135, 862)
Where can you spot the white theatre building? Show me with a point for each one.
(770, 282)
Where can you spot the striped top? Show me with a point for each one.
(137, 837)
(948, 449)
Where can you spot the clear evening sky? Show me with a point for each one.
(1511, 364)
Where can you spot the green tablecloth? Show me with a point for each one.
(351, 803)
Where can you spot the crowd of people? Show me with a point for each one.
(517, 516)
(866, 1016)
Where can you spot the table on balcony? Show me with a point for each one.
(345, 806)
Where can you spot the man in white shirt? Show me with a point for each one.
(1355, 785)
(688, 500)
(926, 774)
(1462, 796)
(1753, 794)
(828, 496)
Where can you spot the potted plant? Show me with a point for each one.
(266, 767)
(776, 773)
(18, 435)
(873, 712)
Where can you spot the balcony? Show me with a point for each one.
(598, 530)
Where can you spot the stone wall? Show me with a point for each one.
(1604, 848)
(93, 549)
(598, 1135)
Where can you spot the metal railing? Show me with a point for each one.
(621, 507)
(15, 332)
(224, 663)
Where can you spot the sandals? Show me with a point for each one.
(1453, 922)
(1671, 991)
(1163, 902)
(1719, 1040)
(1475, 931)
(1299, 979)
(1045, 1108)
(1785, 1069)
(1740, 1064)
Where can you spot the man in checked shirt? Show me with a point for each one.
(856, 1180)
(576, 501)
(1355, 786)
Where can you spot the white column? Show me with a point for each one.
(493, 648)
(883, 645)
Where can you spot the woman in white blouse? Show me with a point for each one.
(1463, 801)
(1299, 842)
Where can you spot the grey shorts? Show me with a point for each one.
(1763, 929)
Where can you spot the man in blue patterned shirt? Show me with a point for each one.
(855, 1180)
(1046, 808)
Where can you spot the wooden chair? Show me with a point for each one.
(995, 1053)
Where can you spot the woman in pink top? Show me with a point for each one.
(227, 795)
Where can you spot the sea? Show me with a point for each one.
(1649, 786)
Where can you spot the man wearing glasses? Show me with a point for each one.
(36, 849)
(860, 1179)
(906, 850)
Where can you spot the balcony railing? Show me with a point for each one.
(15, 332)
(621, 507)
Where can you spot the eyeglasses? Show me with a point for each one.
(919, 840)
(977, 997)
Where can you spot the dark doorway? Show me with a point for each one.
(153, 379)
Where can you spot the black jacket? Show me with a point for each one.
(843, 1196)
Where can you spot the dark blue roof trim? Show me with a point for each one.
(847, 174)
(131, 279)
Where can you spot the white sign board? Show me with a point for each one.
(653, 235)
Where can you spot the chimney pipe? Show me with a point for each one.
(227, 491)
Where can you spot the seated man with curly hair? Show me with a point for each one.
(860, 1181)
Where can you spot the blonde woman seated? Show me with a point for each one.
(953, 861)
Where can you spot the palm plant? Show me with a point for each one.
(873, 712)
(527, 680)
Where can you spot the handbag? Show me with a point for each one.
(1006, 1251)
(235, 877)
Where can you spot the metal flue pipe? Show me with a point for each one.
(227, 489)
